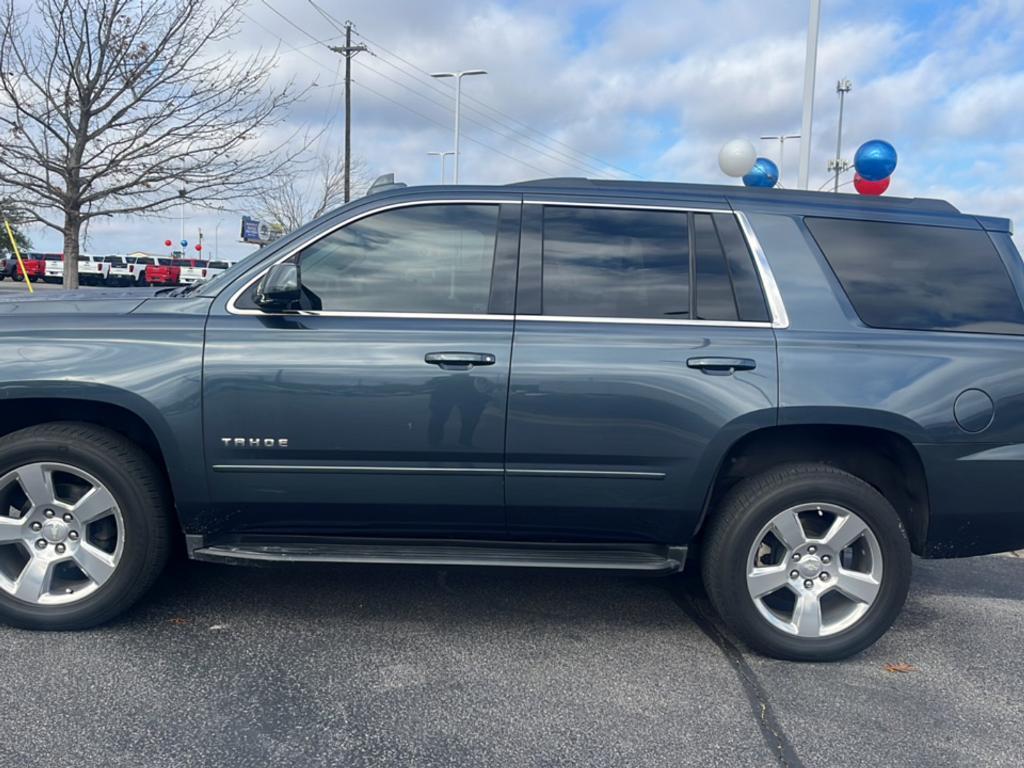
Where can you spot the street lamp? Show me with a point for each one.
(839, 165)
(216, 233)
(458, 101)
(443, 156)
(782, 148)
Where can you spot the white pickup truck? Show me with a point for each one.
(197, 270)
(118, 273)
(92, 270)
(53, 270)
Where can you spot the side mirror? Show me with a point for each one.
(280, 288)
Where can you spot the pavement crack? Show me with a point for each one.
(774, 736)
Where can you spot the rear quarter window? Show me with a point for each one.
(920, 277)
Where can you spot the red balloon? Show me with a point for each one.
(199, 247)
(167, 243)
(866, 187)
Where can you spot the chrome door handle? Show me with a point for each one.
(721, 366)
(458, 360)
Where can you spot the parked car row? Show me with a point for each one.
(113, 269)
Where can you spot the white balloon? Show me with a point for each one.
(737, 157)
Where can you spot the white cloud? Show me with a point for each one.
(656, 87)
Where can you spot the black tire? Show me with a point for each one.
(749, 506)
(141, 494)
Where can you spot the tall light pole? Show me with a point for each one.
(458, 102)
(216, 239)
(839, 165)
(782, 148)
(443, 156)
(810, 67)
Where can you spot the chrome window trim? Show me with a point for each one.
(628, 206)
(234, 310)
(776, 305)
(642, 321)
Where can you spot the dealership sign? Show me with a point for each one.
(260, 232)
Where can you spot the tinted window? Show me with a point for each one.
(746, 285)
(603, 262)
(920, 277)
(714, 298)
(431, 258)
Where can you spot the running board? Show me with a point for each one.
(623, 557)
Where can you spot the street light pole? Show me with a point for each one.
(810, 67)
(458, 104)
(843, 87)
(443, 156)
(782, 148)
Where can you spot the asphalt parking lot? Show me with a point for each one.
(396, 666)
(386, 666)
(9, 286)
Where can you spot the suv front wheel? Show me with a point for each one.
(807, 562)
(84, 525)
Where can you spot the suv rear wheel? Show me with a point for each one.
(84, 525)
(807, 562)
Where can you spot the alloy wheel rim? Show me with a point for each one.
(61, 533)
(814, 570)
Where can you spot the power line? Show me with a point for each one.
(571, 161)
(497, 111)
(442, 125)
(543, 149)
(550, 154)
(375, 92)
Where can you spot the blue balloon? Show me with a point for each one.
(765, 173)
(184, 243)
(875, 160)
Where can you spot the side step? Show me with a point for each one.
(626, 557)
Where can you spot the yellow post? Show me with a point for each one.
(17, 255)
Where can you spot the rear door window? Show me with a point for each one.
(637, 263)
(602, 262)
(919, 277)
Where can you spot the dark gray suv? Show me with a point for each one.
(794, 391)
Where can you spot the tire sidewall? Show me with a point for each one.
(883, 521)
(138, 531)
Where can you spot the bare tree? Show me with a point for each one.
(310, 190)
(112, 107)
(13, 215)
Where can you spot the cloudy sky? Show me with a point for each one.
(648, 89)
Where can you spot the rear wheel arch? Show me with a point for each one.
(886, 460)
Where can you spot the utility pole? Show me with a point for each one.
(348, 51)
(782, 149)
(839, 165)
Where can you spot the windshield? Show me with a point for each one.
(115, 261)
